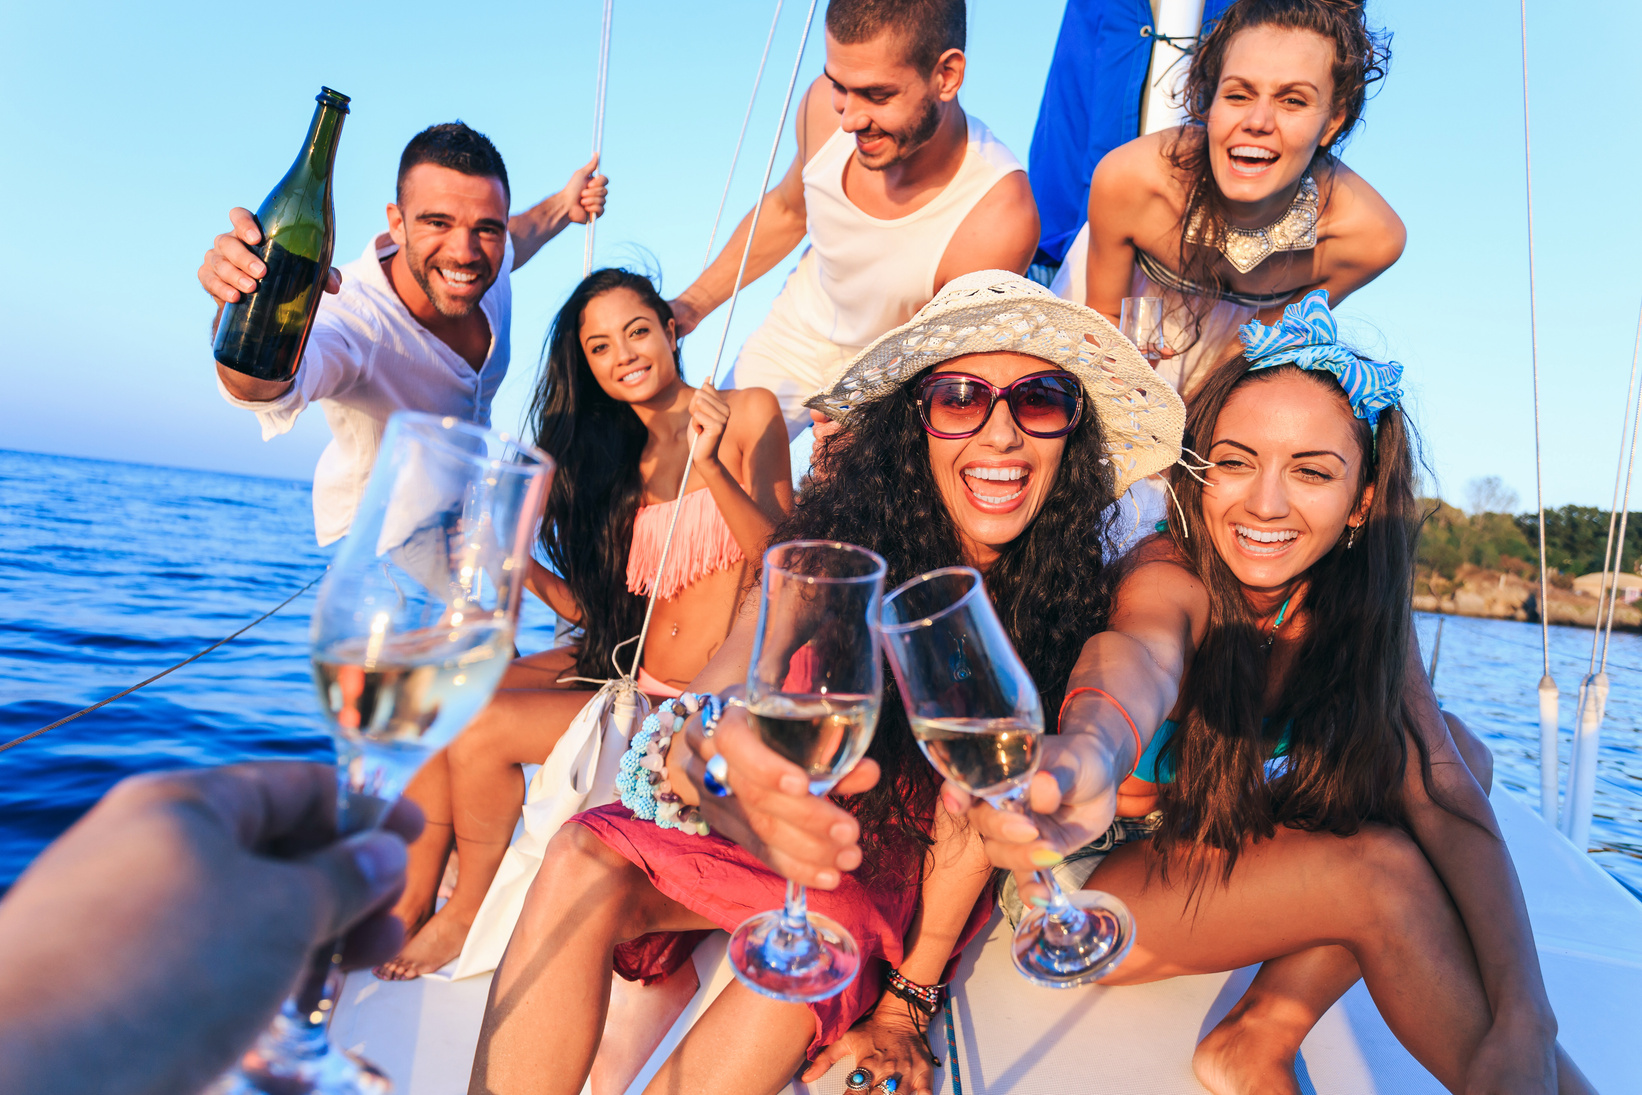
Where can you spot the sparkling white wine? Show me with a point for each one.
(413, 692)
(986, 757)
(262, 333)
(824, 735)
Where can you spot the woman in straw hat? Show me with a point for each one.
(1258, 720)
(994, 429)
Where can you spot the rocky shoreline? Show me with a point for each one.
(1498, 595)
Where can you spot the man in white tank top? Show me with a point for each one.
(898, 189)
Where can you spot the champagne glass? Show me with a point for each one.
(976, 714)
(1141, 322)
(412, 630)
(814, 687)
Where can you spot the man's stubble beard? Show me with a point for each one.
(418, 267)
(907, 144)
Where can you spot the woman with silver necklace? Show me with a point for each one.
(1246, 207)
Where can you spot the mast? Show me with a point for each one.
(1175, 26)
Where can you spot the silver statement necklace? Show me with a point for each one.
(1246, 248)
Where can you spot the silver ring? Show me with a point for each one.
(889, 1084)
(858, 1080)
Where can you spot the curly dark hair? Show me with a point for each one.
(1050, 585)
(596, 442)
(1361, 58)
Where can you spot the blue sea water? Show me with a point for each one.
(110, 572)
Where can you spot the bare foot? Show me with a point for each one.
(1243, 1056)
(436, 944)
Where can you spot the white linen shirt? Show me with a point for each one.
(369, 357)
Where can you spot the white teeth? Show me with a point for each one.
(1275, 537)
(634, 375)
(1251, 152)
(459, 277)
(1001, 475)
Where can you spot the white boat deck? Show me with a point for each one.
(1093, 1041)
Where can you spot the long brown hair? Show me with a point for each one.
(1361, 56)
(1345, 707)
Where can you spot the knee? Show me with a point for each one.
(1478, 757)
(1397, 883)
(580, 872)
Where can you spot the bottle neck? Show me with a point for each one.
(318, 153)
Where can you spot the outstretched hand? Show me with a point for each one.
(586, 192)
(1072, 798)
(770, 812)
(151, 943)
(231, 269)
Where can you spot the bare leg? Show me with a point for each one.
(745, 1043)
(549, 996)
(429, 789)
(639, 1018)
(1374, 894)
(486, 792)
(1253, 1048)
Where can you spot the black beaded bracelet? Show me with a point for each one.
(926, 998)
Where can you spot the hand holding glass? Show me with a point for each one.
(412, 629)
(814, 687)
(976, 715)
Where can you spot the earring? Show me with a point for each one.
(1352, 538)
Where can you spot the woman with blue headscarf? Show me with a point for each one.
(1258, 749)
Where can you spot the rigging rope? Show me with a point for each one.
(1624, 515)
(602, 80)
(1548, 732)
(1610, 565)
(741, 138)
(164, 672)
(718, 357)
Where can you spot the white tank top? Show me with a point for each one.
(862, 276)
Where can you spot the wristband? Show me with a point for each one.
(1139, 749)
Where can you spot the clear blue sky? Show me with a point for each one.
(131, 128)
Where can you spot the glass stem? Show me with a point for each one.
(795, 913)
(1059, 909)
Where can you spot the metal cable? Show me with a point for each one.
(601, 81)
(741, 138)
(164, 672)
(718, 357)
(1608, 562)
(1625, 503)
(1533, 347)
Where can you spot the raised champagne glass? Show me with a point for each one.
(814, 687)
(1141, 322)
(976, 715)
(412, 630)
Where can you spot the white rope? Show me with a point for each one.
(1548, 715)
(601, 82)
(718, 357)
(741, 138)
(1610, 565)
(1625, 501)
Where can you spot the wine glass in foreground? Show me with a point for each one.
(976, 715)
(412, 629)
(813, 691)
(1141, 322)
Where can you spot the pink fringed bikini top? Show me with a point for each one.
(701, 546)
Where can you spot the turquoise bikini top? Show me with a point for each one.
(1154, 767)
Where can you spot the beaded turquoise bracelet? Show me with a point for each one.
(642, 781)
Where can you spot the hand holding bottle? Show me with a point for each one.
(231, 269)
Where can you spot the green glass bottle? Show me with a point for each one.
(262, 334)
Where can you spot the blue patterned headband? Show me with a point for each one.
(1307, 337)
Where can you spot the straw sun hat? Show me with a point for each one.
(1141, 416)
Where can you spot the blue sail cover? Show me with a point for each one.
(1091, 104)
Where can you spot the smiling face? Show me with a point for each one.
(1284, 483)
(995, 482)
(883, 101)
(1273, 108)
(628, 348)
(452, 231)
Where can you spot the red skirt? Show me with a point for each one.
(722, 881)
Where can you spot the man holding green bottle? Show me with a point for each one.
(419, 322)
